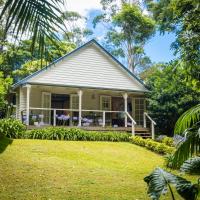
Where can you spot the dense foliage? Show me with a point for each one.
(152, 145)
(18, 61)
(5, 84)
(181, 18)
(170, 95)
(12, 128)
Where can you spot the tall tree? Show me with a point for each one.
(181, 18)
(75, 33)
(5, 84)
(128, 30)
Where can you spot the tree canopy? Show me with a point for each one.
(128, 30)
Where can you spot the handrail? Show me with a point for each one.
(33, 108)
(150, 118)
(83, 110)
(130, 117)
(132, 124)
(153, 123)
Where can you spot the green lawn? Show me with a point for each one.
(36, 169)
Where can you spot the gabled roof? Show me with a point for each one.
(26, 79)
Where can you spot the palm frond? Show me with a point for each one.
(187, 148)
(191, 166)
(35, 18)
(160, 180)
(187, 119)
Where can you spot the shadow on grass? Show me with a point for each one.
(4, 142)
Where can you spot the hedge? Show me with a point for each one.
(74, 134)
(152, 145)
(13, 128)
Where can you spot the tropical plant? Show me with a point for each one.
(159, 181)
(38, 20)
(191, 166)
(189, 125)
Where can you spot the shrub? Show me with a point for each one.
(74, 134)
(152, 145)
(138, 140)
(168, 160)
(12, 128)
(168, 141)
(160, 138)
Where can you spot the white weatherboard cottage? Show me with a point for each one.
(88, 88)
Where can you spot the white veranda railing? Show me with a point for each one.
(42, 112)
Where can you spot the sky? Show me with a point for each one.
(157, 48)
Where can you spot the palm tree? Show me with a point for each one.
(37, 19)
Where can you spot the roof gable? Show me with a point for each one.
(87, 66)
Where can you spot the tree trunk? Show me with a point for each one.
(130, 57)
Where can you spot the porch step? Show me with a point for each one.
(143, 135)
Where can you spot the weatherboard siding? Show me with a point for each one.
(88, 67)
(22, 100)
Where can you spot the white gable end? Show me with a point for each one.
(88, 67)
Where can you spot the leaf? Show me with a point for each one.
(187, 148)
(191, 166)
(187, 119)
(159, 180)
(37, 19)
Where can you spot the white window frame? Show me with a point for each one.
(134, 107)
(101, 102)
(71, 101)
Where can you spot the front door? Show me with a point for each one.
(106, 105)
(139, 109)
(46, 103)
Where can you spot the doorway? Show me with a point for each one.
(60, 101)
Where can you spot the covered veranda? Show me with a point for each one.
(88, 108)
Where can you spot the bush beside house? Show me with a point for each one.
(152, 145)
(13, 128)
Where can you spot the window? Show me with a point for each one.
(105, 102)
(139, 110)
(74, 101)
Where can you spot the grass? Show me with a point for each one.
(41, 169)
